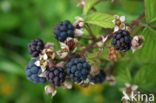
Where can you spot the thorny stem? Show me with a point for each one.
(95, 40)
(91, 45)
(146, 25)
(90, 31)
(85, 38)
(87, 48)
(136, 22)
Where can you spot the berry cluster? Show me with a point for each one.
(122, 40)
(63, 30)
(56, 76)
(32, 72)
(78, 69)
(99, 78)
(67, 63)
(35, 47)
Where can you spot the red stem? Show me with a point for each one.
(136, 22)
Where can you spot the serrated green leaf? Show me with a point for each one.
(150, 8)
(145, 77)
(148, 51)
(123, 72)
(88, 5)
(92, 55)
(100, 19)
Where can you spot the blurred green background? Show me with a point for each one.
(24, 20)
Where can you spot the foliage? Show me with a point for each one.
(23, 20)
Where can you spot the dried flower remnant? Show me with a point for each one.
(137, 42)
(64, 50)
(119, 23)
(49, 89)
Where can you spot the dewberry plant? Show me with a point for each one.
(90, 50)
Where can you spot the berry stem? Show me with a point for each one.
(91, 45)
(94, 42)
(84, 38)
(90, 31)
(147, 25)
(136, 22)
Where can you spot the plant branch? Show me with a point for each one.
(85, 38)
(90, 31)
(136, 22)
(91, 45)
(147, 25)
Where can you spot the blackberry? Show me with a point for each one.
(122, 40)
(77, 69)
(32, 72)
(56, 76)
(35, 47)
(99, 78)
(63, 30)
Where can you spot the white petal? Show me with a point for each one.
(99, 44)
(122, 18)
(43, 74)
(48, 89)
(74, 50)
(45, 57)
(58, 52)
(127, 85)
(81, 24)
(104, 39)
(53, 56)
(113, 21)
(47, 45)
(62, 55)
(128, 28)
(68, 39)
(79, 32)
(116, 16)
(37, 63)
(67, 85)
(43, 68)
(134, 87)
(64, 46)
(116, 28)
(83, 2)
(133, 49)
(79, 18)
(54, 93)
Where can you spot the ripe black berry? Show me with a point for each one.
(99, 78)
(78, 69)
(35, 47)
(56, 76)
(32, 72)
(63, 30)
(122, 40)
